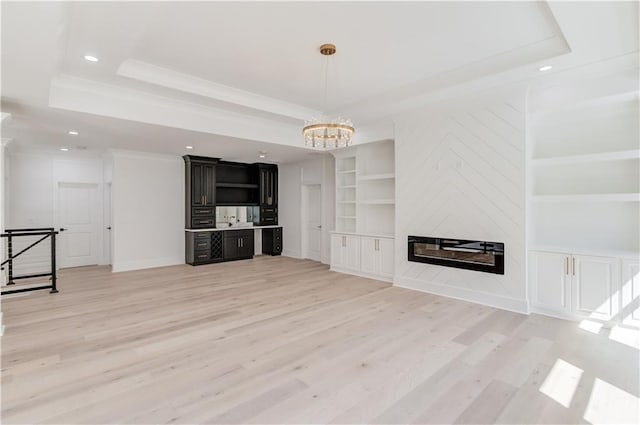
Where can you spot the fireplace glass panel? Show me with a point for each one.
(472, 255)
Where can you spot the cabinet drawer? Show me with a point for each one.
(201, 256)
(201, 235)
(268, 210)
(202, 244)
(268, 220)
(203, 222)
(199, 212)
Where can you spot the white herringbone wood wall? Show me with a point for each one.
(460, 173)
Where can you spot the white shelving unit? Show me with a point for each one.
(584, 193)
(346, 189)
(363, 242)
(585, 165)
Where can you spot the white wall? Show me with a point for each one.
(460, 173)
(148, 210)
(31, 195)
(292, 176)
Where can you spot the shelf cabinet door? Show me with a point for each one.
(337, 251)
(386, 250)
(630, 291)
(352, 252)
(594, 289)
(369, 258)
(268, 186)
(209, 185)
(198, 184)
(246, 246)
(549, 277)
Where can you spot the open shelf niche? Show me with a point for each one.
(365, 189)
(585, 165)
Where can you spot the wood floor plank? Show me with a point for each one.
(282, 340)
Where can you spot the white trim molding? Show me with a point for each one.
(484, 298)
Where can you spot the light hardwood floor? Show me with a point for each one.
(279, 340)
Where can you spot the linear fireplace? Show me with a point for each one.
(463, 254)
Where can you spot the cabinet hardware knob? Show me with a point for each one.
(574, 266)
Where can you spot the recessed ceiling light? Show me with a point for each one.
(64, 149)
(545, 68)
(262, 154)
(73, 132)
(91, 58)
(188, 147)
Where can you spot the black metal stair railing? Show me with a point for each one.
(46, 233)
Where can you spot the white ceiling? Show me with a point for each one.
(250, 72)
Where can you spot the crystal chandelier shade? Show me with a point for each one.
(328, 133)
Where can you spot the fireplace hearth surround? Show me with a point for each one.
(459, 253)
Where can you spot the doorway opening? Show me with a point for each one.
(312, 222)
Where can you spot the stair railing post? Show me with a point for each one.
(53, 263)
(10, 253)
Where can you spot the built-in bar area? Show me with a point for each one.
(231, 210)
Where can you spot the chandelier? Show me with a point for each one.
(323, 132)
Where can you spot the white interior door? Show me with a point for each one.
(79, 220)
(107, 224)
(313, 222)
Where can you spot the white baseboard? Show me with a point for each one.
(150, 263)
(492, 300)
(356, 273)
(1, 325)
(292, 254)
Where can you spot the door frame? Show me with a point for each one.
(304, 214)
(99, 216)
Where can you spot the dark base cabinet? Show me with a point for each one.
(238, 244)
(204, 247)
(272, 241)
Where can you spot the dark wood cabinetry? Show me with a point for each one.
(236, 184)
(238, 244)
(211, 182)
(204, 247)
(268, 190)
(272, 241)
(200, 191)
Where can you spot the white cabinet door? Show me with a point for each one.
(386, 249)
(630, 291)
(549, 276)
(594, 290)
(352, 252)
(369, 256)
(337, 251)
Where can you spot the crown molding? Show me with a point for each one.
(165, 77)
(81, 95)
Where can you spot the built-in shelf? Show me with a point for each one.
(238, 185)
(592, 197)
(612, 99)
(378, 202)
(386, 176)
(594, 157)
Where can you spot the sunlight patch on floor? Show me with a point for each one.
(626, 336)
(609, 404)
(591, 326)
(561, 382)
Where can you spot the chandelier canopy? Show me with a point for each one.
(328, 133)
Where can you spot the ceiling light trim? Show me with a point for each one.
(153, 74)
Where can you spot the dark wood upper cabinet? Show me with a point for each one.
(268, 178)
(200, 181)
(211, 182)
